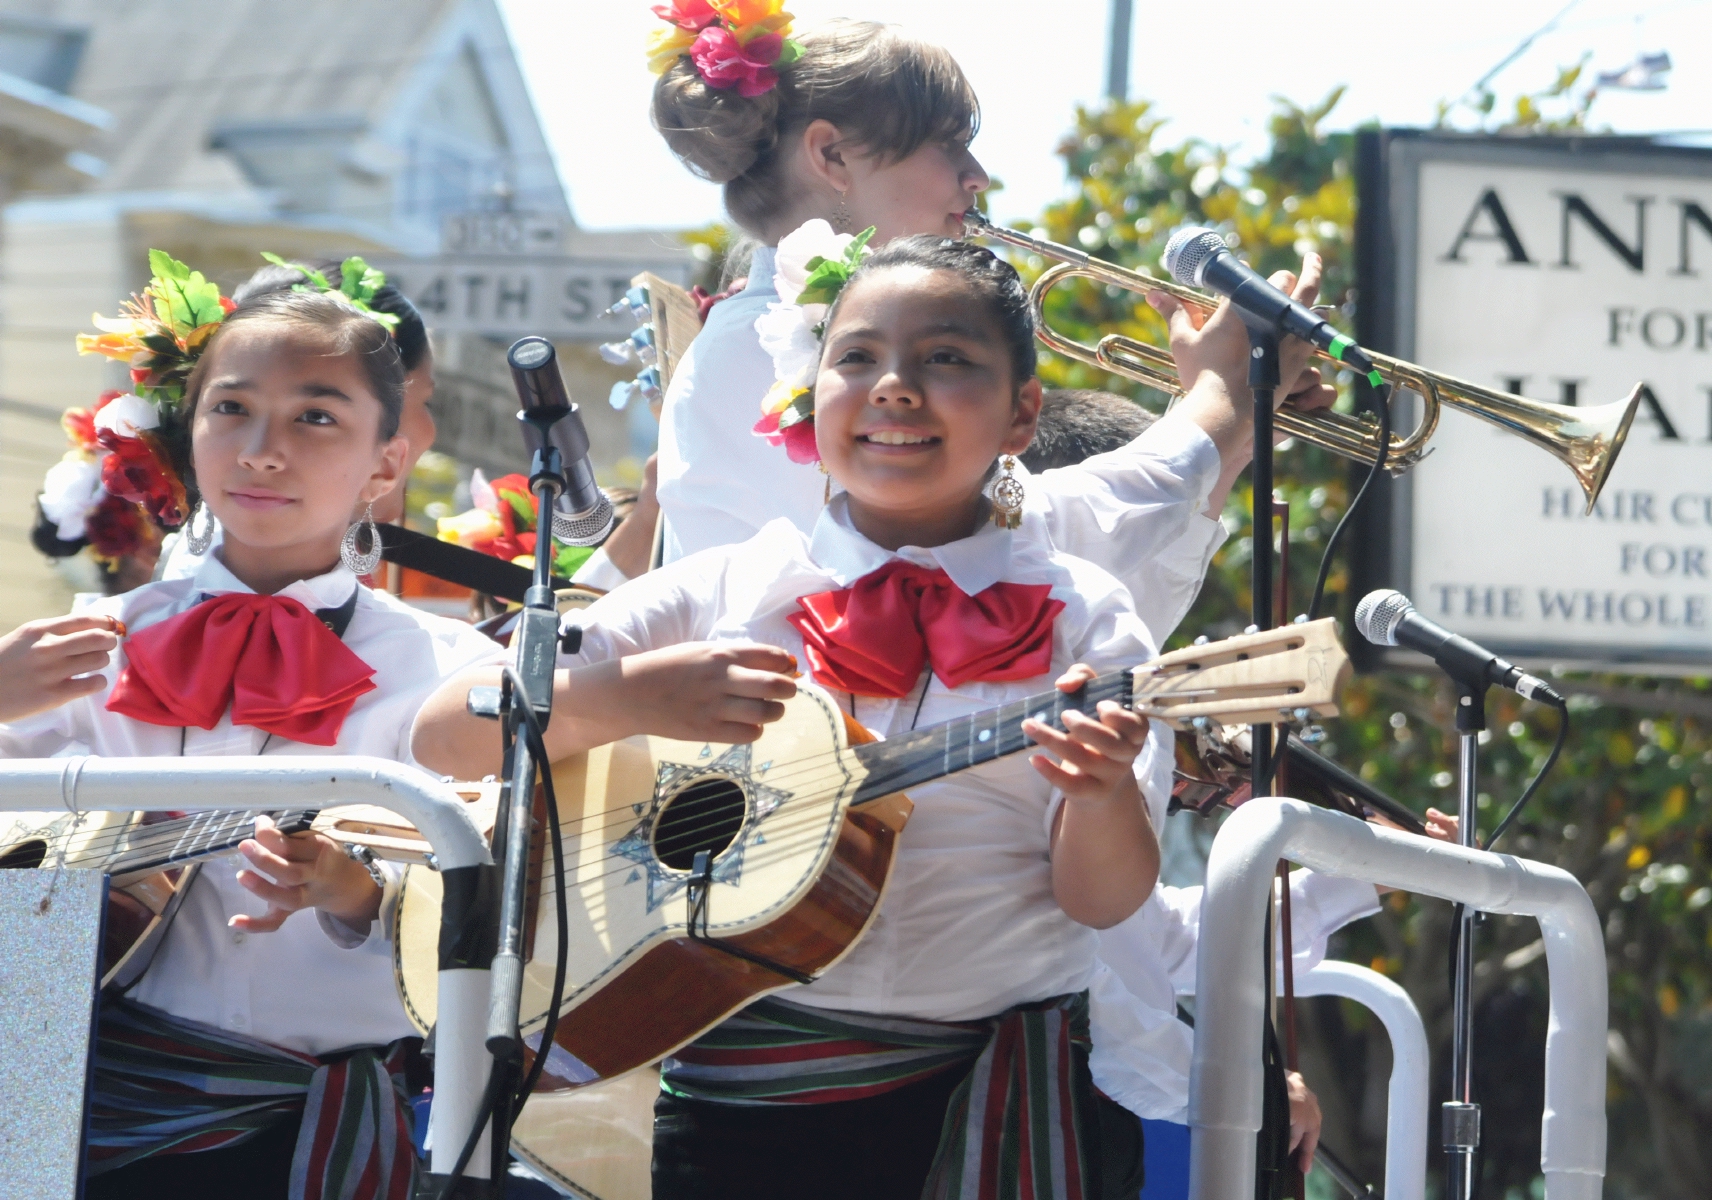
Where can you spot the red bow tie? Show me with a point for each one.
(874, 637)
(268, 658)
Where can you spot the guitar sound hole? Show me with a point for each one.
(704, 816)
(25, 856)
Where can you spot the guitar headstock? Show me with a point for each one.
(1278, 676)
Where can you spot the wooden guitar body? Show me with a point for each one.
(793, 875)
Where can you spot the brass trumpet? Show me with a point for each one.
(1586, 440)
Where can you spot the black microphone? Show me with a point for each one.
(582, 515)
(1198, 257)
(1388, 618)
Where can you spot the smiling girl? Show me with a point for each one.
(274, 648)
(911, 605)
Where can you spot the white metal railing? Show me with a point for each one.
(1225, 1078)
(461, 1059)
(1406, 1097)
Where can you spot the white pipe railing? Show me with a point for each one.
(1225, 1078)
(304, 781)
(1406, 1098)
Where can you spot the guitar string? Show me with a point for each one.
(687, 836)
(153, 838)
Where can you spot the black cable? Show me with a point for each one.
(1534, 783)
(490, 1094)
(538, 748)
(1382, 407)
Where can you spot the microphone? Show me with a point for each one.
(1388, 618)
(1198, 257)
(582, 515)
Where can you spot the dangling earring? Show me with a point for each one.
(1008, 496)
(358, 561)
(198, 543)
(825, 495)
(841, 218)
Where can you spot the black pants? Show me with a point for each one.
(259, 1169)
(879, 1148)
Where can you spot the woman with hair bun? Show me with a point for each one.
(869, 126)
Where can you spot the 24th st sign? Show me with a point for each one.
(505, 296)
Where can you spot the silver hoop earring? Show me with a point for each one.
(198, 543)
(357, 560)
(1008, 495)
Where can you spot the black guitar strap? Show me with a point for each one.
(457, 564)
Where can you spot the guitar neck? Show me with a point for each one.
(146, 849)
(1263, 677)
(921, 756)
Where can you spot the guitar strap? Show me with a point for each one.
(457, 564)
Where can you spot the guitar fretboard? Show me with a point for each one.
(148, 848)
(910, 759)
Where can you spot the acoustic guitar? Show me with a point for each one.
(701, 877)
(153, 858)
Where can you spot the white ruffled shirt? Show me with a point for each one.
(969, 926)
(313, 985)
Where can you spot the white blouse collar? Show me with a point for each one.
(323, 591)
(761, 270)
(974, 563)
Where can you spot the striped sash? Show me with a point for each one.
(164, 1085)
(1012, 1130)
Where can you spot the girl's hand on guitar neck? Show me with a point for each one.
(695, 692)
(44, 664)
(304, 871)
(1105, 856)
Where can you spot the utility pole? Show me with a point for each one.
(1117, 61)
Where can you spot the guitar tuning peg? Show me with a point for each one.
(1312, 735)
(1301, 619)
(619, 354)
(622, 393)
(648, 383)
(1202, 640)
(1301, 714)
(1251, 629)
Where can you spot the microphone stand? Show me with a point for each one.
(1263, 380)
(1461, 1116)
(536, 642)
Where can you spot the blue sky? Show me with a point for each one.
(1210, 68)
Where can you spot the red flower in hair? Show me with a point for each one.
(136, 470)
(725, 62)
(693, 15)
(511, 543)
(79, 423)
(114, 528)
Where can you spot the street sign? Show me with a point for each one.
(507, 296)
(513, 233)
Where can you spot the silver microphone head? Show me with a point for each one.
(584, 529)
(1189, 251)
(1379, 613)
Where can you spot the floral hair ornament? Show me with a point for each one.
(811, 267)
(161, 333)
(738, 44)
(116, 477)
(358, 283)
(502, 524)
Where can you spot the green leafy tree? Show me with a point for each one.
(1628, 809)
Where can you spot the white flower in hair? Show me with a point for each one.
(797, 251)
(70, 490)
(789, 339)
(127, 416)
